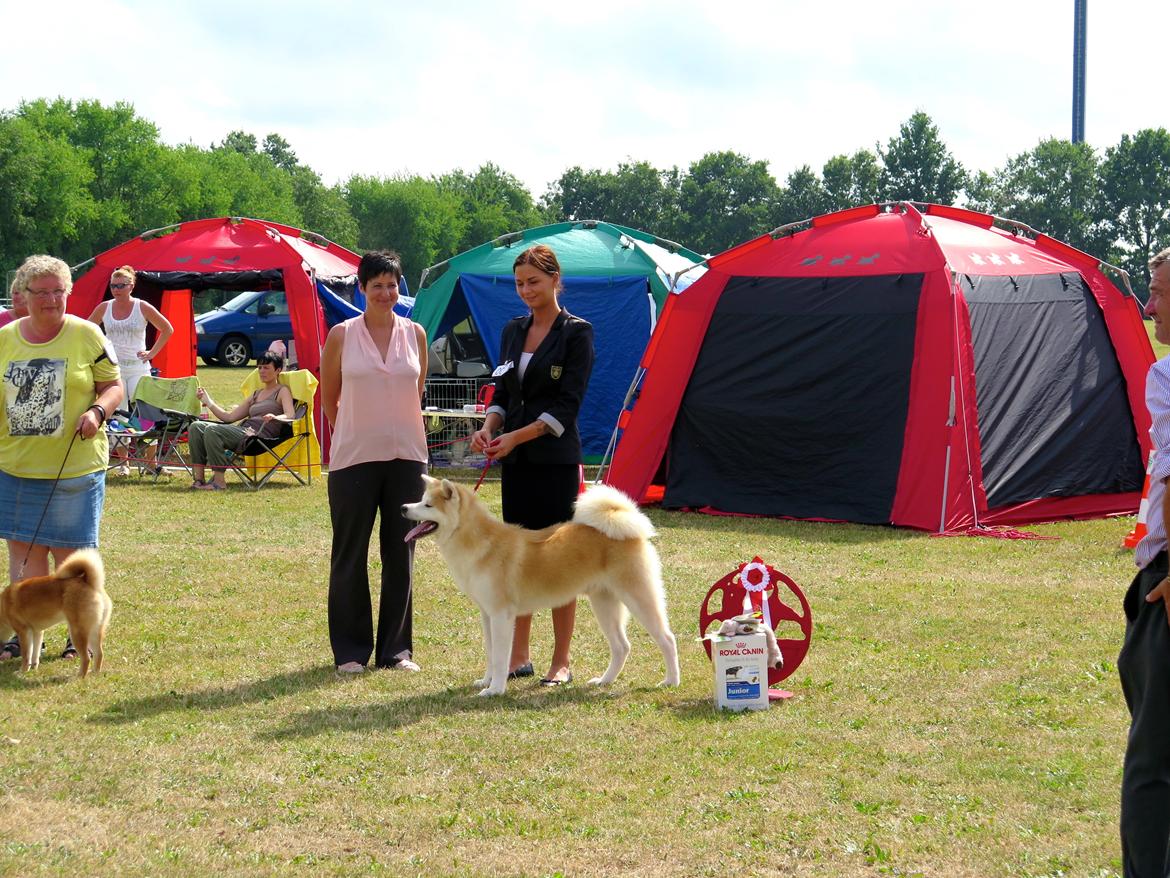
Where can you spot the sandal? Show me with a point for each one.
(210, 486)
(10, 650)
(70, 651)
(196, 484)
(525, 670)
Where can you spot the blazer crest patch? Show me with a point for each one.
(555, 372)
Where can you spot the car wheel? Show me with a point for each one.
(210, 361)
(234, 351)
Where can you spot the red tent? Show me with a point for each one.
(914, 365)
(229, 253)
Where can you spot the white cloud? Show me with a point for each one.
(537, 88)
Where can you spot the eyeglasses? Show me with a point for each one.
(44, 294)
(119, 286)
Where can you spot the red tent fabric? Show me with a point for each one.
(915, 365)
(220, 247)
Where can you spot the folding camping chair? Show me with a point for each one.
(295, 450)
(159, 415)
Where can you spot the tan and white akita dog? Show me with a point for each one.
(604, 552)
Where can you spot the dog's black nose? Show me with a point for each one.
(404, 508)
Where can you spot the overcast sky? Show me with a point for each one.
(384, 88)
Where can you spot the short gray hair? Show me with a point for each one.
(43, 266)
(1160, 259)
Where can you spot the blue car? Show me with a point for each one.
(243, 327)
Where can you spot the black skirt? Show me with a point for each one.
(536, 496)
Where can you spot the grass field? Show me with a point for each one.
(958, 715)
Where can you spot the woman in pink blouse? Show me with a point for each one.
(372, 372)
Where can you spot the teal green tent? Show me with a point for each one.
(615, 277)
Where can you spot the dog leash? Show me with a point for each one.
(45, 511)
(486, 466)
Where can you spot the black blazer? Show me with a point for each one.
(554, 384)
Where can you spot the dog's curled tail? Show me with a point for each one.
(613, 513)
(84, 564)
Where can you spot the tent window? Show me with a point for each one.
(1054, 416)
(797, 403)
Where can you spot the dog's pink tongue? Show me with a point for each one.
(424, 527)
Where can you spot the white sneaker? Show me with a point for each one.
(406, 665)
(124, 469)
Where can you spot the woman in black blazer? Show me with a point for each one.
(545, 362)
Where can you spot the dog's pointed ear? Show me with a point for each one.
(448, 489)
(428, 481)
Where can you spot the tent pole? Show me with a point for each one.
(609, 450)
(942, 519)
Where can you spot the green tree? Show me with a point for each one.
(323, 208)
(239, 141)
(724, 199)
(1135, 192)
(129, 186)
(802, 196)
(1054, 189)
(281, 153)
(45, 200)
(494, 203)
(917, 166)
(636, 195)
(850, 181)
(407, 214)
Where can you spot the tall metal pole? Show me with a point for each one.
(1080, 17)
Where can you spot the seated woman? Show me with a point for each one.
(261, 414)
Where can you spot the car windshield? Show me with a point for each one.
(238, 303)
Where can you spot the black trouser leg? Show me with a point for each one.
(1144, 667)
(395, 610)
(353, 503)
(356, 495)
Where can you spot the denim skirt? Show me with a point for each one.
(71, 519)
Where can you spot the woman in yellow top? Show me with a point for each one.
(60, 380)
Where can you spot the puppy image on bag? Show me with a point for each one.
(604, 552)
(75, 593)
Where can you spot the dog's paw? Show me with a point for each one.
(482, 682)
(599, 681)
(490, 691)
(668, 683)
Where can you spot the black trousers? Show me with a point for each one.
(1144, 667)
(356, 495)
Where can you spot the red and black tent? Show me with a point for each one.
(229, 253)
(915, 365)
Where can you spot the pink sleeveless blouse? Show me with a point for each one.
(379, 415)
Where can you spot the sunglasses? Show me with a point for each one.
(119, 286)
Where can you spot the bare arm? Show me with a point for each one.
(240, 411)
(422, 358)
(109, 396)
(331, 372)
(159, 322)
(98, 313)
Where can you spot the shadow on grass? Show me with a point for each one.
(392, 714)
(290, 683)
(405, 711)
(402, 712)
(11, 677)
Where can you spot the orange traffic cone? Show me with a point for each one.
(1139, 529)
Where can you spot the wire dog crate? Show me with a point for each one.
(447, 435)
(453, 393)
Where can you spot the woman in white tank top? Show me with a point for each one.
(124, 319)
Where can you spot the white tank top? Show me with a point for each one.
(128, 336)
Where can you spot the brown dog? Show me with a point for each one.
(74, 594)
